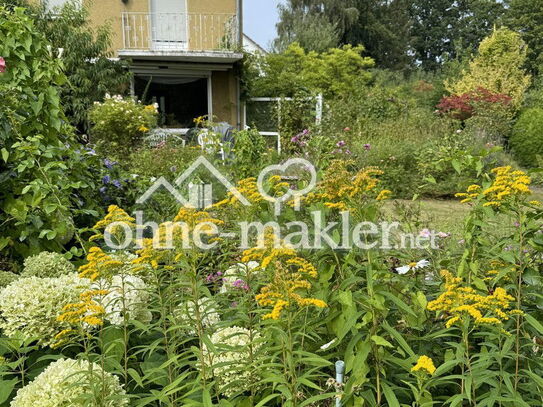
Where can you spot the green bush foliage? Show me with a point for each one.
(335, 72)
(43, 174)
(119, 124)
(527, 139)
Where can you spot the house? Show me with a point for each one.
(252, 47)
(183, 54)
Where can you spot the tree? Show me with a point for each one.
(498, 68)
(86, 57)
(317, 25)
(42, 178)
(383, 27)
(314, 32)
(333, 73)
(526, 17)
(441, 27)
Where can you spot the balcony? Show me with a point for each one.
(177, 34)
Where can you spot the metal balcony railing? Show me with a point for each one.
(180, 32)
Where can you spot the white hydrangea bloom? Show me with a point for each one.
(68, 382)
(47, 264)
(29, 306)
(229, 362)
(186, 314)
(127, 296)
(236, 276)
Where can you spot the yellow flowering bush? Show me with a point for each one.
(344, 189)
(508, 187)
(459, 302)
(289, 277)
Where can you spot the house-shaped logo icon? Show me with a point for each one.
(200, 195)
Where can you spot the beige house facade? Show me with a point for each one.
(183, 54)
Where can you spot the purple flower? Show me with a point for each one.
(109, 164)
(341, 143)
(348, 152)
(305, 132)
(242, 285)
(106, 180)
(103, 190)
(117, 183)
(517, 224)
(367, 147)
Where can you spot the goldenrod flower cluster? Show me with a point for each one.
(114, 215)
(507, 185)
(424, 364)
(100, 264)
(173, 238)
(248, 187)
(289, 277)
(460, 302)
(84, 314)
(340, 186)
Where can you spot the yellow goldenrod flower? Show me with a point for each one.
(424, 364)
(460, 302)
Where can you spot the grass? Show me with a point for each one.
(440, 215)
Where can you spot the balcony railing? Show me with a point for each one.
(180, 32)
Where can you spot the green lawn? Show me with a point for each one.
(440, 215)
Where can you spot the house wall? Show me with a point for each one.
(206, 24)
(224, 86)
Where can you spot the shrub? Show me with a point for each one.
(44, 179)
(232, 348)
(468, 104)
(335, 72)
(7, 277)
(119, 124)
(74, 383)
(249, 149)
(127, 297)
(527, 139)
(498, 67)
(29, 306)
(47, 264)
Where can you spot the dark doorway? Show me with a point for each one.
(180, 99)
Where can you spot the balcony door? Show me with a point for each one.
(169, 24)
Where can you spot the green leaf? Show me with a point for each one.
(379, 340)
(390, 396)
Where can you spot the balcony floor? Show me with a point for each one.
(226, 57)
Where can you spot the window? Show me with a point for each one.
(52, 5)
(180, 99)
